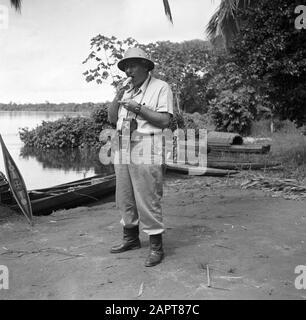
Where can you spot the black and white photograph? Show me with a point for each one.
(152, 152)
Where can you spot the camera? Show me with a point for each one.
(129, 124)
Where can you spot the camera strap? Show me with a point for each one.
(142, 97)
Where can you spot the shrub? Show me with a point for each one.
(190, 121)
(66, 132)
(230, 112)
(198, 121)
(234, 98)
(176, 121)
(99, 115)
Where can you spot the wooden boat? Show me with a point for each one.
(227, 165)
(67, 195)
(4, 185)
(16, 182)
(244, 148)
(198, 171)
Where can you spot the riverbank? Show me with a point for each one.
(251, 242)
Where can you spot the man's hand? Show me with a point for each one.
(158, 119)
(129, 104)
(122, 86)
(114, 106)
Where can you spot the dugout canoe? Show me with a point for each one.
(16, 183)
(68, 195)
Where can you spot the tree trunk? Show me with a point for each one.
(177, 97)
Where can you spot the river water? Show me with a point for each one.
(39, 168)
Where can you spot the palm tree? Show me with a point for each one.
(17, 5)
(224, 22)
(167, 10)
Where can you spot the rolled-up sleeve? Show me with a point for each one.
(165, 99)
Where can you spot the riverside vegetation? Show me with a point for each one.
(288, 143)
(84, 131)
(68, 132)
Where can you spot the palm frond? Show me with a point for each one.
(168, 10)
(224, 21)
(16, 4)
(212, 26)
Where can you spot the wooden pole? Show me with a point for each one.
(208, 276)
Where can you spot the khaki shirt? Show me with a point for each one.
(156, 95)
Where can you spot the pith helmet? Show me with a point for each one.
(135, 53)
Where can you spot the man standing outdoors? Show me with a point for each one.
(147, 106)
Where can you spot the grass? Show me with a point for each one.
(288, 146)
(290, 150)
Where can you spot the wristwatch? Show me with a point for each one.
(137, 109)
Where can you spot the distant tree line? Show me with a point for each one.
(56, 107)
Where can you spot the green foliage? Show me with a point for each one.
(230, 112)
(82, 132)
(189, 121)
(234, 98)
(273, 52)
(103, 58)
(262, 75)
(100, 115)
(198, 121)
(62, 133)
(224, 21)
(67, 132)
(176, 122)
(182, 65)
(193, 94)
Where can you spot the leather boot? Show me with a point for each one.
(130, 240)
(156, 254)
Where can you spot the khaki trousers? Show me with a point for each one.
(139, 191)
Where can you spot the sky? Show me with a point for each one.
(42, 49)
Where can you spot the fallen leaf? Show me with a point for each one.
(140, 290)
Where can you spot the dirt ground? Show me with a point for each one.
(250, 241)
